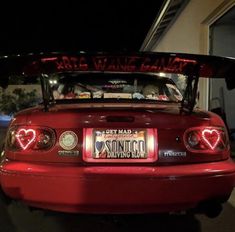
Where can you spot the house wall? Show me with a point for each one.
(222, 44)
(184, 34)
(190, 34)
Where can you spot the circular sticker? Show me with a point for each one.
(68, 140)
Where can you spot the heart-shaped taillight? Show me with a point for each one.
(25, 137)
(211, 137)
(29, 138)
(206, 139)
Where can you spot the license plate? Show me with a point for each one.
(120, 144)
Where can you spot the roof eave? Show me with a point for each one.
(167, 15)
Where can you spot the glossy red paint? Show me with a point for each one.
(170, 135)
(169, 171)
(81, 184)
(117, 189)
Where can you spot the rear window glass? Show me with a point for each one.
(98, 86)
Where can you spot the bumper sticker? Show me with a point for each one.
(68, 140)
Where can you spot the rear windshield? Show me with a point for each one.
(101, 86)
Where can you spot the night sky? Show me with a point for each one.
(76, 25)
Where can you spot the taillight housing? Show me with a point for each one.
(206, 139)
(25, 138)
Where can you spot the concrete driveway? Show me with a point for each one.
(17, 218)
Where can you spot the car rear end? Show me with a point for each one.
(117, 160)
(117, 139)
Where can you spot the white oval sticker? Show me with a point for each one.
(68, 140)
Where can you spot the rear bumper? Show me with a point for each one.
(112, 189)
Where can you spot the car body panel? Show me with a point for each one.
(179, 154)
(163, 120)
(117, 189)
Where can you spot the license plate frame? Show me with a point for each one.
(128, 145)
(120, 144)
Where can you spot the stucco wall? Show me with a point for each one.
(190, 34)
(184, 34)
(223, 37)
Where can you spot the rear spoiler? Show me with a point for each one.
(191, 65)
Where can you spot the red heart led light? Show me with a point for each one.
(211, 137)
(25, 137)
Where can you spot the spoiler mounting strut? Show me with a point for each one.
(190, 94)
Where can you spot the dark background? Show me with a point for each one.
(76, 25)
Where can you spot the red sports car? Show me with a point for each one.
(118, 134)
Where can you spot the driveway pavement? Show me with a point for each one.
(18, 218)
